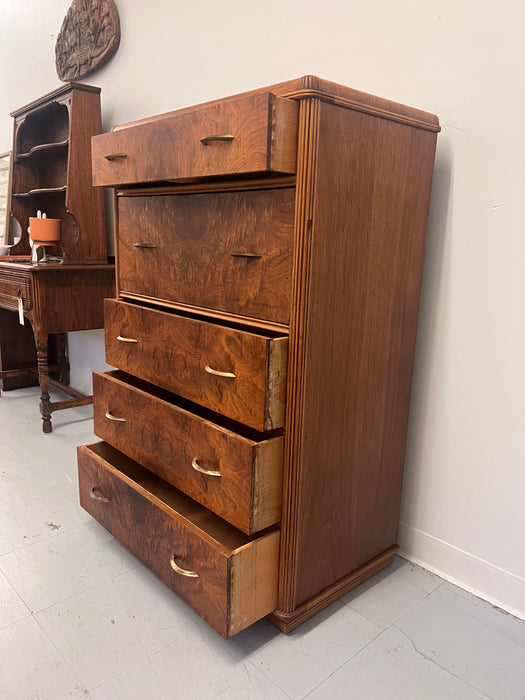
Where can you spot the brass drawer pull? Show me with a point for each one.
(93, 495)
(126, 340)
(241, 254)
(111, 417)
(216, 372)
(217, 137)
(116, 156)
(182, 572)
(144, 245)
(202, 470)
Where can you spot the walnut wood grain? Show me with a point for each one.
(190, 249)
(264, 130)
(308, 86)
(173, 351)
(247, 490)
(358, 291)
(72, 299)
(236, 581)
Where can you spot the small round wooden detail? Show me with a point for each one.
(88, 38)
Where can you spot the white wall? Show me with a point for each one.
(463, 512)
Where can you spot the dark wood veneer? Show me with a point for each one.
(261, 131)
(230, 251)
(156, 523)
(173, 351)
(246, 487)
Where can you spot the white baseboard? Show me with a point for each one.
(485, 580)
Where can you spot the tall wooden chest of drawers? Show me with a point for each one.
(269, 260)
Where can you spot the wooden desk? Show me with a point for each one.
(54, 299)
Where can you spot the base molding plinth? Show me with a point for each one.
(288, 621)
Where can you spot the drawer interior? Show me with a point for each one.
(205, 413)
(170, 499)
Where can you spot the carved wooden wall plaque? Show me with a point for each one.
(89, 36)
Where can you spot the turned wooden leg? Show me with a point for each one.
(63, 363)
(41, 339)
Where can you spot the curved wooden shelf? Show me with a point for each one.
(40, 191)
(43, 147)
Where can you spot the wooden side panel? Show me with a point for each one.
(72, 299)
(354, 340)
(85, 241)
(166, 438)
(253, 582)
(173, 351)
(189, 249)
(282, 147)
(267, 483)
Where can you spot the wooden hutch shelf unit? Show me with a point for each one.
(51, 172)
(269, 261)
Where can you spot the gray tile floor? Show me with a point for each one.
(81, 618)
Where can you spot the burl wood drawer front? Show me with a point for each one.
(236, 476)
(252, 134)
(239, 374)
(12, 288)
(229, 251)
(227, 577)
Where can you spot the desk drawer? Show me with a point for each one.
(230, 251)
(13, 287)
(251, 134)
(237, 476)
(234, 372)
(229, 579)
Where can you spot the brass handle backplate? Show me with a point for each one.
(205, 140)
(116, 156)
(217, 373)
(126, 340)
(144, 245)
(93, 495)
(182, 572)
(111, 417)
(202, 470)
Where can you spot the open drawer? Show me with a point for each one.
(255, 133)
(228, 578)
(238, 372)
(234, 471)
